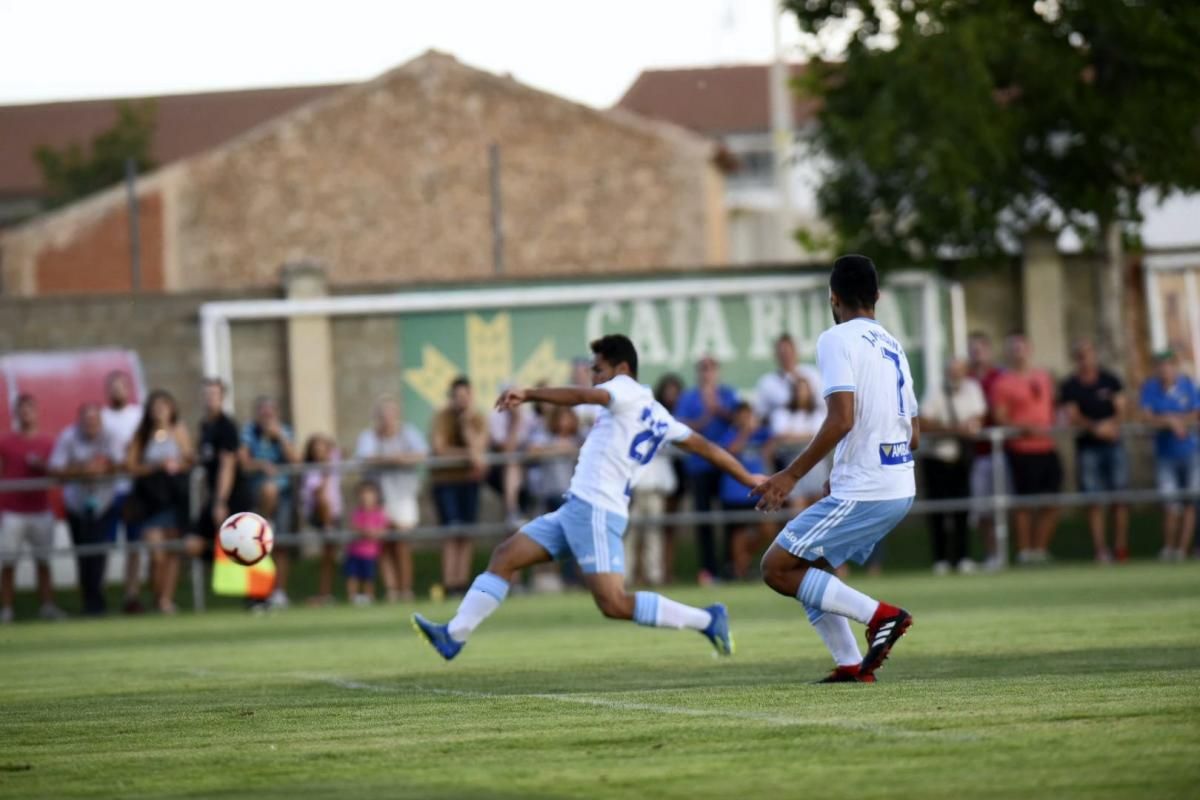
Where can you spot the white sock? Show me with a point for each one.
(825, 591)
(656, 611)
(485, 595)
(835, 632)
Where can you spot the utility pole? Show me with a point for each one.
(782, 129)
(497, 209)
(135, 236)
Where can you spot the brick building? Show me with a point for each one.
(389, 182)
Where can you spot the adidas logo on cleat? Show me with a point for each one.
(889, 624)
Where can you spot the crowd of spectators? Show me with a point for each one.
(127, 467)
(1091, 402)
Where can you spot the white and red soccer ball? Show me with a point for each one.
(246, 538)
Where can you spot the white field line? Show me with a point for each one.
(779, 720)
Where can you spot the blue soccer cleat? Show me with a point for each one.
(718, 630)
(438, 636)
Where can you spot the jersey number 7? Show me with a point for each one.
(894, 357)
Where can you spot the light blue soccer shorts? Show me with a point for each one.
(842, 530)
(592, 535)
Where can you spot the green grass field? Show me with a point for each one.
(1070, 682)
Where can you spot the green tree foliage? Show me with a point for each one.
(74, 171)
(958, 126)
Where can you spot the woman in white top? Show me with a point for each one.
(951, 417)
(792, 428)
(159, 458)
(395, 450)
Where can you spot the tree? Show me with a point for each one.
(71, 172)
(960, 127)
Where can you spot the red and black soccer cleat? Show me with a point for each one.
(884, 630)
(851, 673)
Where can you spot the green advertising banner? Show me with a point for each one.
(535, 335)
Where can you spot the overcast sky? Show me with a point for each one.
(588, 51)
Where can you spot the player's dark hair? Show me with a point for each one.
(617, 349)
(855, 282)
(461, 380)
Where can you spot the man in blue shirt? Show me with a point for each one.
(1170, 401)
(269, 450)
(707, 408)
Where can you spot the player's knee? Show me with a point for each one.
(775, 573)
(501, 555)
(614, 605)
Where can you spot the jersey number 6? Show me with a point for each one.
(652, 437)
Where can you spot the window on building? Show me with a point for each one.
(755, 168)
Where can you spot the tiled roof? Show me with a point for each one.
(186, 124)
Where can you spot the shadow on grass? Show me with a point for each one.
(367, 789)
(618, 677)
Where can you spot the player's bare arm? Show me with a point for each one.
(839, 421)
(720, 458)
(556, 395)
(914, 444)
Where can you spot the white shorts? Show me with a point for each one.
(36, 529)
(403, 512)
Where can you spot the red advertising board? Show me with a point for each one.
(62, 380)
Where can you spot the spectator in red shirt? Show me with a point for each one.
(982, 367)
(25, 516)
(1024, 398)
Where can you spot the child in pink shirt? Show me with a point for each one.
(369, 522)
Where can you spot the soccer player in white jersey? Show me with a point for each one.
(629, 429)
(872, 422)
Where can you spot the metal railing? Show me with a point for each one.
(997, 504)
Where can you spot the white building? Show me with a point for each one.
(731, 104)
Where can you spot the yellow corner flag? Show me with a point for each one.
(233, 580)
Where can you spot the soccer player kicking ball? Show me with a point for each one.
(589, 526)
(871, 420)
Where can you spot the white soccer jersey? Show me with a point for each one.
(622, 442)
(873, 462)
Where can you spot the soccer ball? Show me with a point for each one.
(246, 538)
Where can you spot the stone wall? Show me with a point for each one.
(164, 330)
(995, 305)
(366, 360)
(993, 299)
(388, 181)
(259, 364)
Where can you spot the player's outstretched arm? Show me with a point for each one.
(839, 421)
(720, 458)
(556, 395)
